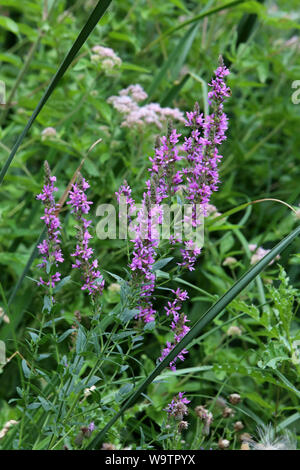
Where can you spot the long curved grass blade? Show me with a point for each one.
(206, 318)
(244, 206)
(195, 19)
(167, 100)
(95, 16)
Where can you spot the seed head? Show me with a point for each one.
(238, 426)
(223, 443)
(234, 398)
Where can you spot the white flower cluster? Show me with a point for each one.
(106, 56)
(126, 102)
(259, 253)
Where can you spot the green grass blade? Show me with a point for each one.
(27, 267)
(210, 314)
(177, 56)
(167, 100)
(246, 27)
(195, 19)
(95, 16)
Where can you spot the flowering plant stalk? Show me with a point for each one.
(50, 247)
(93, 281)
(198, 174)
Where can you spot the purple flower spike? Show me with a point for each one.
(178, 325)
(93, 281)
(201, 177)
(49, 248)
(161, 184)
(197, 178)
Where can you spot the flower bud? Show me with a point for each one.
(229, 261)
(223, 443)
(228, 412)
(234, 331)
(234, 398)
(238, 426)
(182, 425)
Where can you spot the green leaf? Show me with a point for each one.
(287, 383)
(61, 283)
(80, 341)
(288, 421)
(65, 335)
(9, 24)
(47, 303)
(178, 55)
(127, 314)
(168, 99)
(161, 263)
(123, 392)
(26, 370)
(11, 58)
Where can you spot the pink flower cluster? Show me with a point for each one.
(106, 56)
(50, 247)
(93, 280)
(178, 326)
(138, 116)
(259, 253)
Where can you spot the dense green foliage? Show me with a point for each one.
(172, 58)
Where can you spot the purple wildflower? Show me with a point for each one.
(178, 326)
(198, 179)
(201, 176)
(146, 238)
(93, 280)
(177, 408)
(91, 427)
(164, 179)
(49, 248)
(143, 258)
